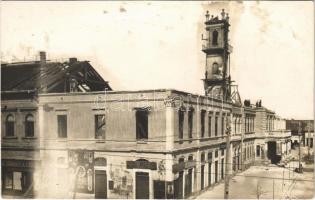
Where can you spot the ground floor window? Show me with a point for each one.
(13, 180)
(8, 180)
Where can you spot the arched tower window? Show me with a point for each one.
(215, 68)
(9, 125)
(215, 37)
(29, 125)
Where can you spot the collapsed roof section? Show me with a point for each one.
(51, 77)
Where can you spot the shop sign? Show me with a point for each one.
(100, 161)
(141, 164)
(18, 163)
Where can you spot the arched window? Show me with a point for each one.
(209, 156)
(9, 125)
(190, 158)
(215, 37)
(215, 68)
(202, 158)
(29, 125)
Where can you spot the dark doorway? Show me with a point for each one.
(209, 174)
(159, 190)
(188, 183)
(216, 171)
(222, 168)
(202, 178)
(27, 182)
(142, 185)
(272, 152)
(100, 184)
(238, 163)
(178, 186)
(234, 163)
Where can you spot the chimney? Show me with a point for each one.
(42, 60)
(72, 60)
(42, 56)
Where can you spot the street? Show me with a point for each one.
(267, 182)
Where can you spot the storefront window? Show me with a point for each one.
(12, 180)
(17, 177)
(8, 182)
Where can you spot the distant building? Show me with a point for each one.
(66, 134)
(304, 128)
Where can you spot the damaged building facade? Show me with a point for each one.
(67, 134)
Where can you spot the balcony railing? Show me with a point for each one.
(207, 46)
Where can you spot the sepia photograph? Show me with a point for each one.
(157, 99)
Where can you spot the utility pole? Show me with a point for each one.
(299, 147)
(227, 161)
(273, 188)
(308, 141)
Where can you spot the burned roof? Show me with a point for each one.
(51, 77)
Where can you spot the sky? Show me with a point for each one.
(154, 45)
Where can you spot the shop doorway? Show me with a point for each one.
(272, 152)
(100, 184)
(159, 189)
(142, 185)
(216, 171)
(188, 183)
(178, 186)
(202, 176)
(209, 173)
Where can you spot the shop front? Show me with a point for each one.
(17, 177)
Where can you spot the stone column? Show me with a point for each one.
(197, 179)
(232, 125)
(206, 134)
(40, 135)
(169, 161)
(170, 120)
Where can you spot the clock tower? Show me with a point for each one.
(217, 81)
